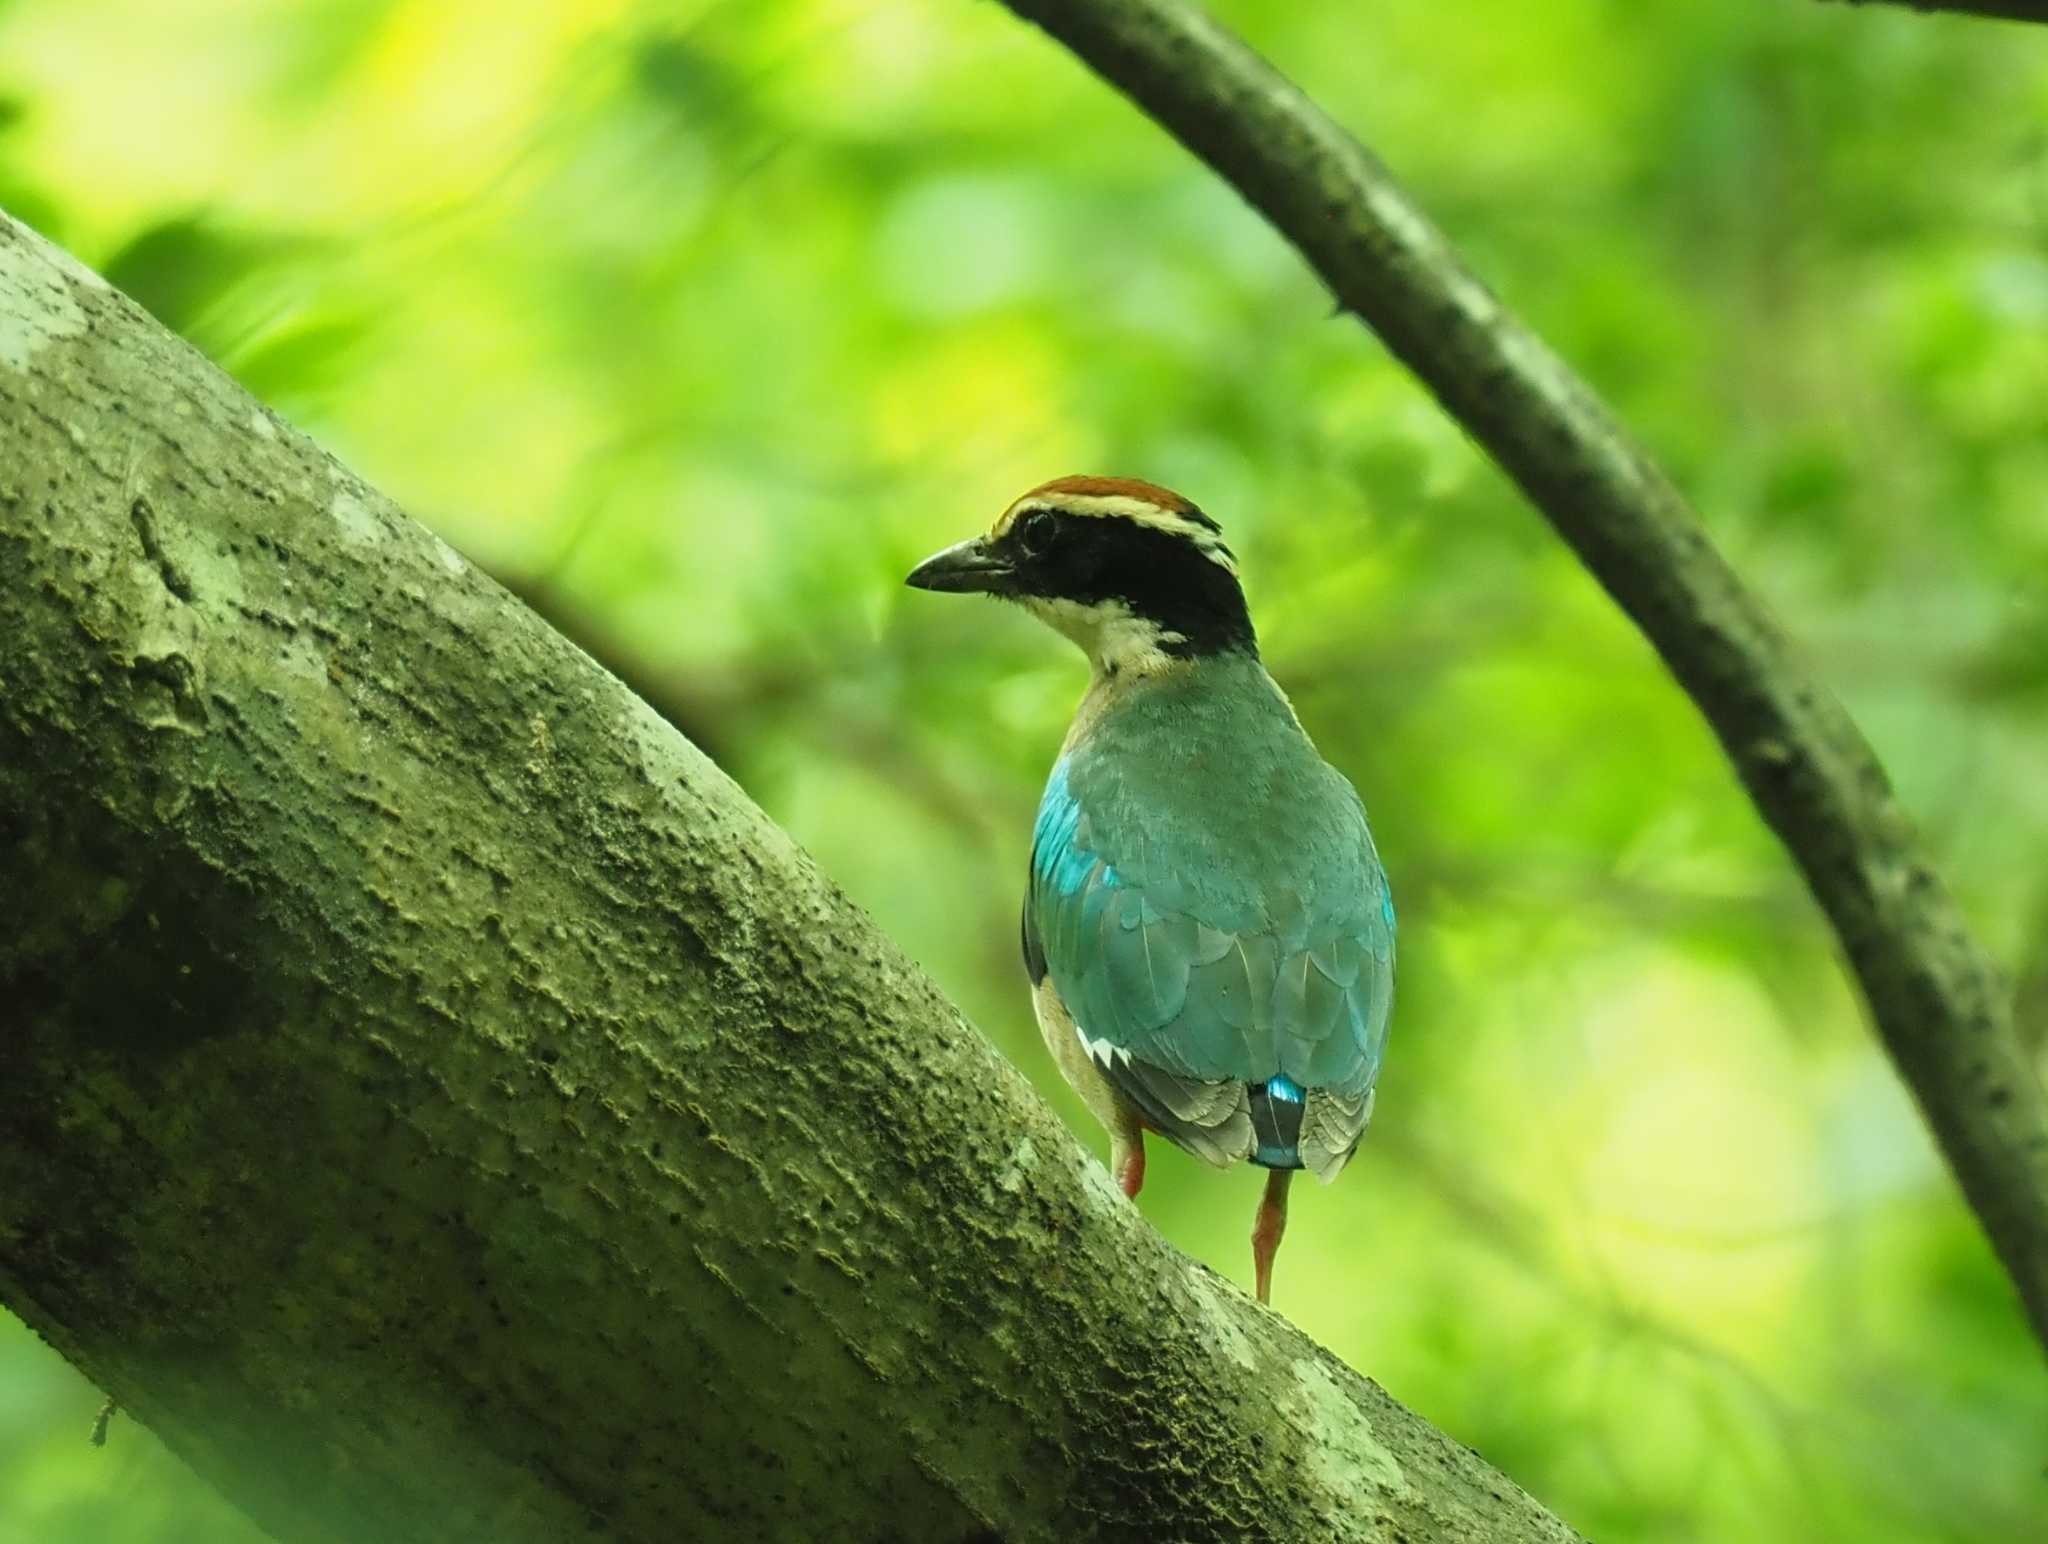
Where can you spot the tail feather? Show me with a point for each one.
(1276, 1110)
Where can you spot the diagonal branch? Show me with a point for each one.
(1938, 1001)
(437, 1102)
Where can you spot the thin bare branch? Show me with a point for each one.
(2001, 10)
(1938, 1001)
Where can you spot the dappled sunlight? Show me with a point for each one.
(1697, 1160)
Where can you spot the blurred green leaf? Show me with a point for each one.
(178, 267)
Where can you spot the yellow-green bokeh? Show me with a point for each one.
(704, 321)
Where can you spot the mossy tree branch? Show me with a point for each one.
(436, 1101)
(1939, 1003)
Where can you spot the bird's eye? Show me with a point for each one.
(1033, 533)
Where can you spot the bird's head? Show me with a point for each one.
(1136, 575)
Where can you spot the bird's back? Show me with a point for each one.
(1207, 899)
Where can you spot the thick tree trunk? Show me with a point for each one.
(1939, 1004)
(442, 1106)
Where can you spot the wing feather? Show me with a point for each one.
(1187, 992)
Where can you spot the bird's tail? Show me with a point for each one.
(1276, 1109)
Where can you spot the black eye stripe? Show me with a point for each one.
(1179, 579)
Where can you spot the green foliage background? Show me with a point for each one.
(700, 322)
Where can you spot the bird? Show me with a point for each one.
(1207, 927)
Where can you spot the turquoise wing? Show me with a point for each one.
(1235, 985)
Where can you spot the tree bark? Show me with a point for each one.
(435, 1100)
(1939, 1004)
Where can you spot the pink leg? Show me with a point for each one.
(1127, 1162)
(1268, 1228)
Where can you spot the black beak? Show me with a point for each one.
(967, 567)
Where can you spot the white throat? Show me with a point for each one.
(1117, 642)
